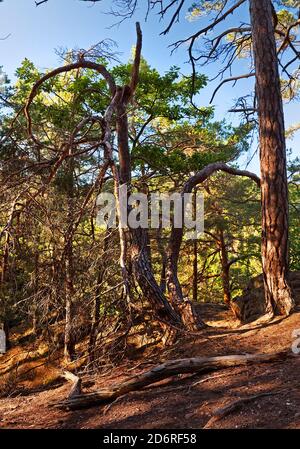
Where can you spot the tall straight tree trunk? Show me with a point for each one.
(195, 254)
(69, 346)
(4, 270)
(36, 289)
(161, 249)
(274, 186)
(225, 268)
(96, 316)
(195, 270)
(69, 343)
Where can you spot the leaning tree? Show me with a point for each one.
(270, 36)
(175, 311)
(270, 40)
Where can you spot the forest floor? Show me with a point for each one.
(184, 401)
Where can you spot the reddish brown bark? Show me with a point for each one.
(195, 270)
(274, 186)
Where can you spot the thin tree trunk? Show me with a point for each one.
(4, 267)
(96, 307)
(225, 268)
(69, 343)
(174, 287)
(36, 289)
(195, 256)
(161, 249)
(5, 259)
(183, 305)
(274, 186)
(195, 270)
(95, 317)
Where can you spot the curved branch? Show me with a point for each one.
(216, 41)
(176, 236)
(67, 68)
(287, 38)
(228, 80)
(210, 169)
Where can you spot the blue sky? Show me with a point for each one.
(35, 33)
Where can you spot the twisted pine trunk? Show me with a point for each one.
(138, 251)
(274, 186)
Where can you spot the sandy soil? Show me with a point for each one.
(185, 401)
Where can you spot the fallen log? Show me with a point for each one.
(201, 365)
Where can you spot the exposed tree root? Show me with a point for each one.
(163, 371)
(234, 406)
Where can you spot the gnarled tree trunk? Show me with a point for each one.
(139, 252)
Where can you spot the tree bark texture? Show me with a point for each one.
(274, 186)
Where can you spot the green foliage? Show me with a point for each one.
(204, 7)
(288, 3)
(169, 140)
(294, 171)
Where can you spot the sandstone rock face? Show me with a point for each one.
(251, 305)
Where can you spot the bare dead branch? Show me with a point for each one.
(137, 60)
(229, 80)
(211, 26)
(287, 38)
(174, 17)
(163, 371)
(235, 406)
